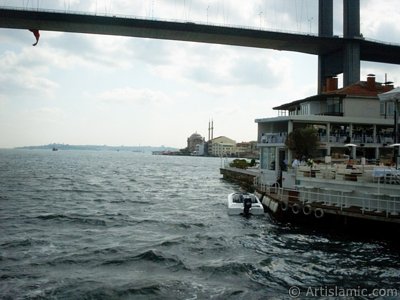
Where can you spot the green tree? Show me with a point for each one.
(303, 141)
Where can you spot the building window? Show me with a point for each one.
(390, 109)
(334, 106)
(305, 109)
(387, 109)
(268, 158)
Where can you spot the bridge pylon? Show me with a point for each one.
(347, 59)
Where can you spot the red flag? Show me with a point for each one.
(36, 34)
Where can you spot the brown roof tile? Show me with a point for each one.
(361, 89)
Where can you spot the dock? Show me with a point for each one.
(322, 207)
(245, 177)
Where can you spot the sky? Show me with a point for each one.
(107, 90)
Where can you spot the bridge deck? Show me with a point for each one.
(84, 23)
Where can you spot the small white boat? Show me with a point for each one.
(244, 204)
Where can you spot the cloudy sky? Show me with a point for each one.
(93, 89)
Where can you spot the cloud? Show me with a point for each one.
(379, 21)
(153, 52)
(222, 66)
(24, 75)
(83, 50)
(45, 115)
(70, 50)
(260, 70)
(130, 96)
(391, 72)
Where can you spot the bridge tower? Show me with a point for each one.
(346, 61)
(327, 64)
(351, 30)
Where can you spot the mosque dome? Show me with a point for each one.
(195, 136)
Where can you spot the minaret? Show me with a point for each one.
(209, 128)
(212, 129)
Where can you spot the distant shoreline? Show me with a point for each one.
(144, 149)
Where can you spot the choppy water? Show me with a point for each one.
(122, 225)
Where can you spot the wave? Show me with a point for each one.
(190, 225)
(153, 256)
(73, 219)
(157, 256)
(90, 289)
(23, 243)
(170, 243)
(256, 274)
(17, 244)
(235, 268)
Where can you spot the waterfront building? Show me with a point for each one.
(353, 181)
(247, 149)
(222, 146)
(352, 114)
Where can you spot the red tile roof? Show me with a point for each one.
(362, 89)
(368, 88)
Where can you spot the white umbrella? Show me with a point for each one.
(353, 150)
(392, 95)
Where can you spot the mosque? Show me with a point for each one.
(194, 143)
(220, 146)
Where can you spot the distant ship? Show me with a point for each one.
(55, 149)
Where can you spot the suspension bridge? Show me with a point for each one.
(336, 54)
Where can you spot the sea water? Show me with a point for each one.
(125, 225)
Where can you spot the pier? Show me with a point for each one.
(325, 206)
(244, 177)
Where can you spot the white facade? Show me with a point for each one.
(200, 149)
(222, 146)
(339, 118)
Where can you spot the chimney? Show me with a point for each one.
(331, 84)
(371, 82)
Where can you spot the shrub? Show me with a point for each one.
(239, 163)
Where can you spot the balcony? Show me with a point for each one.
(341, 138)
(273, 138)
(335, 114)
(357, 139)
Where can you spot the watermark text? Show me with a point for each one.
(336, 291)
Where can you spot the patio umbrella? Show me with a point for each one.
(392, 95)
(353, 152)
